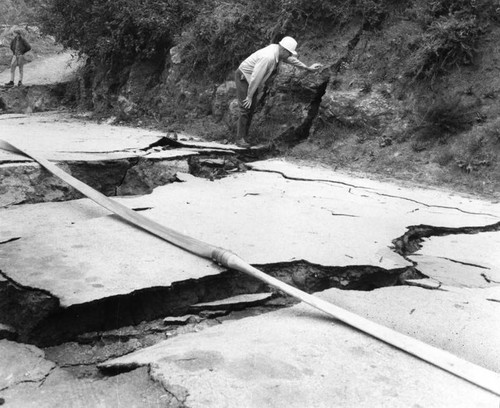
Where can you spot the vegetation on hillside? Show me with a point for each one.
(116, 31)
(451, 30)
(18, 11)
(216, 34)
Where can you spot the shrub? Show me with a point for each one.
(221, 37)
(444, 158)
(448, 42)
(308, 13)
(450, 30)
(470, 153)
(444, 117)
(224, 33)
(490, 130)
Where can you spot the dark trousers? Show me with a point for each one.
(245, 115)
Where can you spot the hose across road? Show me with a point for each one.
(480, 376)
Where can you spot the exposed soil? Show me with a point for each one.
(398, 164)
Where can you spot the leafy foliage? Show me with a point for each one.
(216, 35)
(443, 117)
(116, 30)
(490, 130)
(450, 30)
(221, 37)
(224, 33)
(17, 11)
(448, 42)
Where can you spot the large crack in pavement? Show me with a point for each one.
(412, 240)
(53, 324)
(47, 323)
(89, 349)
(39, 381)
(9, 240)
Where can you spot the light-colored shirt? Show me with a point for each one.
(259, 66)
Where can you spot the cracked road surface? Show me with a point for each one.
(286, 221)
(78, 260)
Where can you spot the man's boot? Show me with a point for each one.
(242, 143)
(9, 84)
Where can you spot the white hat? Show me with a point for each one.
(289, 44)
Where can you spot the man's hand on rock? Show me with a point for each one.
(247, 102)
(315, 67)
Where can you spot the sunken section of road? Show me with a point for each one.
(88, 271)
(69, 270)
(115, 160)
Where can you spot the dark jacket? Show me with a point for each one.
(25, 46)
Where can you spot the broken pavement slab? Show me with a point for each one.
(22, 363)
(107, 157)
(115, 160)
(96, 259)
(298, 357)
(263, 217)
(461, 323)
(461, 260)
(28, 379)
(134, 389)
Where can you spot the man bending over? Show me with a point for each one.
(253, 73)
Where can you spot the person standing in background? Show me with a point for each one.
(19, 47)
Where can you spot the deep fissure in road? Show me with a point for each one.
(47, 323)
(29, 183)
(412, 240)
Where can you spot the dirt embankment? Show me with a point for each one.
(360, 114)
